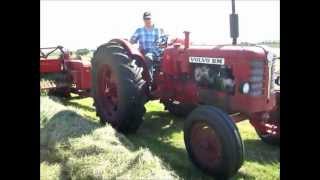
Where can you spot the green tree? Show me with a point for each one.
(82, 52)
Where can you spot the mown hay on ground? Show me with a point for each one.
(74, 147)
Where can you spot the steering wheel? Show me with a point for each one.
(164, 41)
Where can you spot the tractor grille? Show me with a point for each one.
(256, 78)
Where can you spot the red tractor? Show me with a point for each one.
(62, 74)
(212, 86)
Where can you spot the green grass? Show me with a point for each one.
(159, 139)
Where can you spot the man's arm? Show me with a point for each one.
(134, 38)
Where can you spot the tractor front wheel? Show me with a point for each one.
(213, 142)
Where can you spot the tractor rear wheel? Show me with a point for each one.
(179, 110)
(118, 88)
(213, 142)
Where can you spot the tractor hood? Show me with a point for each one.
(229, 52)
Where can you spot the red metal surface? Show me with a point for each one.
(86, 77)
(107, 90)
(186, 39)
(50, 65)
(205, 144)
(175, 63)
(81, 73)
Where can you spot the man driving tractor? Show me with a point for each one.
(149, 38)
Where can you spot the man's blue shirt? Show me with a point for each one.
(148, 39)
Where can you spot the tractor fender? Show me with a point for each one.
(136, 54)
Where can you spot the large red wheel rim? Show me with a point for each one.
(206, 145)
(108, 91)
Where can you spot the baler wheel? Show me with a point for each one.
(213, 142)
(118, 88)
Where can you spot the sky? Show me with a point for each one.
(88, 24)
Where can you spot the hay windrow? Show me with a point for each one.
(73, 147)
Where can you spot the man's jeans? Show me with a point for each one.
(150, 58)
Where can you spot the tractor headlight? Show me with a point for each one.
(245, 88)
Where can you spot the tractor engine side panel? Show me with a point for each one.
(179, 82)
(174, 82)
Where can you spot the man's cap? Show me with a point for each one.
(147, 15)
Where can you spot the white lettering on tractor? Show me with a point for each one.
(206, 60)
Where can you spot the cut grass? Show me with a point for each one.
(161, 137)
(75, 147)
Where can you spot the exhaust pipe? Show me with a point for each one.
(186, 39)
(234, 24)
